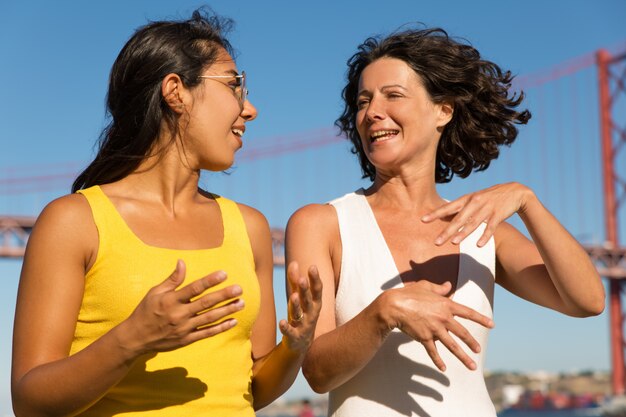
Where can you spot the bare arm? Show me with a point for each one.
(421, 310)
(553, 270)
(61, 249)
(276, 365)
(332, 359)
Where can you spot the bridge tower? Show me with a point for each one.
(612, 87)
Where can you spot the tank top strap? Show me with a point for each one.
(235, 231)
(105, 216)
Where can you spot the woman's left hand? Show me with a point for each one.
(304, 305)
(492, 206)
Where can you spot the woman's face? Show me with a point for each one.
(398, 123)
(216, 120)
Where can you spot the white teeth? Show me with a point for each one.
(382, 133)
(237, 132)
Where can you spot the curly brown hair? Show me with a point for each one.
(484, 112)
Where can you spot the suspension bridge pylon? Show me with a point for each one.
(612, 87)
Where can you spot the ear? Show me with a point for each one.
(446, 111)
(173, 92)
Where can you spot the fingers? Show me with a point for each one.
(305, 292)
(303, 307)
(209, 331)
(284, 328)
(212, 299)
(452, 345)
(490, 229)
(492, 206)
(473, 315)
(315, 283)
(175, 279)
(431, 349)
(456, 350)
(199, 286)
(438, 322)
(214, 315)
(466, 219)
(295, 311)
(446, 210)
(462, 225)
(289, 330)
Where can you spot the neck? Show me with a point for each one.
(413, 191)
(165, 179)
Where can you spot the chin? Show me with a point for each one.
(215, 166)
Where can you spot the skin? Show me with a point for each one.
(163, 206)
(418, 225)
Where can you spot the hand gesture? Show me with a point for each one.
(423, 311)
(491, 206)
(304, 305)
(167, 318)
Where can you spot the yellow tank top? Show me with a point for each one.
(211, 377)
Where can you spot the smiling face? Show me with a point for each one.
(398, 123)
(214, 126)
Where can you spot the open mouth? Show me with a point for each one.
(237, 132)
(383, 135)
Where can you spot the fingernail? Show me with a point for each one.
(220, 276)
(232, 322)
(439, 241)
(473, 366)
(456, 240)
(180, 264)
(240, 303)
(425, 218)
(236, 290)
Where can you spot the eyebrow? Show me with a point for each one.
(385, 87)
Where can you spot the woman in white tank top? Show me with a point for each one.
(408, 276)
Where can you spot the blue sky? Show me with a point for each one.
(55, 62)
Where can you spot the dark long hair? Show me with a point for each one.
(134, 100)
(484, 112)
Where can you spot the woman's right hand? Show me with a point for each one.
(167, 318)
(423, 311)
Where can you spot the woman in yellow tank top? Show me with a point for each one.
(103, 326)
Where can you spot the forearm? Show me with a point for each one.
(336, 356)
(67, 386)
(274, 373)
(572, 272)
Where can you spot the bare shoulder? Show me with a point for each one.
(254, 219)
(68, 213)
(322, 217)
(65, 227)
(314, 229)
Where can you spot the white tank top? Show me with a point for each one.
(401, 379)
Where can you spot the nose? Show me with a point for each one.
(248, 112)
(375, 111)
